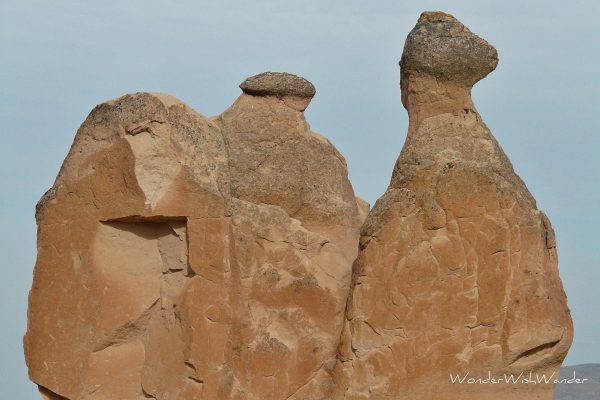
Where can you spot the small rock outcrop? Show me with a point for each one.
(182, 257)
(457, 272)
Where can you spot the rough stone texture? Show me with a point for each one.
(182, 257)
(457, 270)
(293, 90)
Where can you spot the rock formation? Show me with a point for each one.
(184, 257)
(457, 271)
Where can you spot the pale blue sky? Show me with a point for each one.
(60, 58)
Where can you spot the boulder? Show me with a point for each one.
(185, 257)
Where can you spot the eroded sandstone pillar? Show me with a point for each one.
(457, 271)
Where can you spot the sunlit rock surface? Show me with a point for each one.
(457, 271)
(184, 257)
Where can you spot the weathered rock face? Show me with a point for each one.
(185, 257)
(457, 271)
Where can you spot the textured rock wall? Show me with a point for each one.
(186, 257)
(183, 256)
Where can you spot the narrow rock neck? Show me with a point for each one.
(425, 96)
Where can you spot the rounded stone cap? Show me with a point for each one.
(441, 46)
(280, 84)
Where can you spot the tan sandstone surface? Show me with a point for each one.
(457, 271)
(185, 257)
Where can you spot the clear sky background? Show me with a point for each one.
(60, 58)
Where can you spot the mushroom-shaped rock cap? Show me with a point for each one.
(441, 46)
(280, 84)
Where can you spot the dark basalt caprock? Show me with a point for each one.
(295, 91)
(441, 46)
(278, 84)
